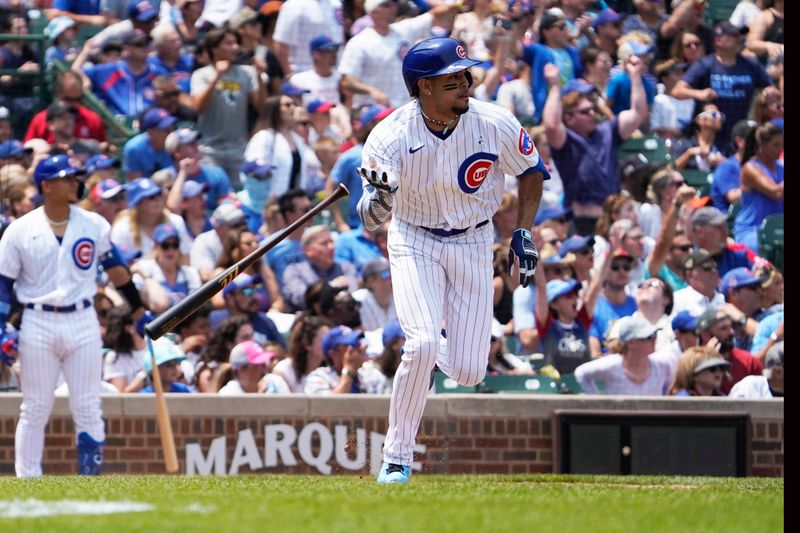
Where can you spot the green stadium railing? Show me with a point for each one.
(653, 148)
(513, 384)
(770, 240)
(719, 10)
(699, 179)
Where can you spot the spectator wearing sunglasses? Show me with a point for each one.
(161, 279)
(573, 132)
(613, 302)
(725, 77)
(146, 153)
(631, 238)
(243, 298)
(207, 247)
(630, 368)
(170, 97)
(708, 229)
(700, 152)
(673, 246)
(134, 228)
(715, 329)
(319, 263)
(702, 278)
(742, 291)
(375, 296)
(700, 372)
(185, 156)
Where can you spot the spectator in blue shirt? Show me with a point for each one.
(584, 151)
(345, 170)
(61, 31)
(360, 246)
(124, 86)
(613, 303)
(81, 11)
(293, 204)
(168, 358)
(168, 58)
(762, 183)
(555, 49)
(726, 77)
(618, 92)
(726, 188)
(144, 154)
(181, 145)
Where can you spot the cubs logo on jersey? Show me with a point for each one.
(525, 142)
(473, 171)
(83, 253)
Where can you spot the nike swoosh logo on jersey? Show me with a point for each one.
(417, 149)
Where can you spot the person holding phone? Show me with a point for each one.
(344, 350)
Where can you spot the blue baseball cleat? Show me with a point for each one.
(394, 473)
(90, 455)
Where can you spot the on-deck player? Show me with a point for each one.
(52, 254)
(438, 164)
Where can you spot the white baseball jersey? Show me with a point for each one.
(377, 59)
(58, 274)
(299, 21)
(47, 273)
(447, 184)
(456, 182)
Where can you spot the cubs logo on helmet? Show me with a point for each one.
(473, 171)
(83, 253)
(460, 52)
(525, 142)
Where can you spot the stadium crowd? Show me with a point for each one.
(247, 112)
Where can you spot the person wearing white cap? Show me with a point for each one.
(371, 64)
(629, 369)
(207, 247)
(62, 32)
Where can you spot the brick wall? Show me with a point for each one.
(461, 433)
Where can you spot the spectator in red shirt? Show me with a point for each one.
(88, 124)
(716, 324)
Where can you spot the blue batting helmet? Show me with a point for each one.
(54, 167)
(434, 57)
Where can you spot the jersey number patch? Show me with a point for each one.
(473, 171)
(83, 253)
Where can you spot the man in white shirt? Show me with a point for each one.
(702, 275)
(321, 82)
(377, 302)
(371, 65)
(770, 385)
(298, 22)
(207, 247)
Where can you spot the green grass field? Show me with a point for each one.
(518, 504)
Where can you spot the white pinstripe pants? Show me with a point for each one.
(51, 343)
(438, 282)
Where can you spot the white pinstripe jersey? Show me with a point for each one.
(49, 273)
(456, 182)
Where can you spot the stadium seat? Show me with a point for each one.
(699, 179)
(652, 147)
(443, 384)
(719, 10)
(770, 240)
(519, 384)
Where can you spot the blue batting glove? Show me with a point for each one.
(145, 319)
(522, 247)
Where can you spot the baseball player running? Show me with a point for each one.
(438, 164)
(52, 255)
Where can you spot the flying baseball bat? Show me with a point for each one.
(162, 417)
(180, 311)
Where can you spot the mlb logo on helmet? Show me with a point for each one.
(460, 52)
(525, 142)
(83, 253)
(473, 171)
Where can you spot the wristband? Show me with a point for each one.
(347, 373)
(131, 294)
(773, 337)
